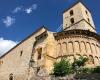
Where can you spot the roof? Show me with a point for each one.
(61, 35)
(24, 40)
(79, 1)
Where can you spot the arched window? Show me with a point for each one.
(71, 12)
(72, 20)
(11, 76)
(86, 12)
(21, 52)
(88, 19)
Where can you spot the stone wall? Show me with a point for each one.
(75, 46)
(81, 16)
(16, 62)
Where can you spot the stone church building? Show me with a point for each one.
(38, 52)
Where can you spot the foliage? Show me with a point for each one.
(78, 64)
(62, 68)
(96, 69)
(85, 70)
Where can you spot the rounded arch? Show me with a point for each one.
(88, 46)
(97, 49)
(83, 47)
(90, 59)
(64, 48)
(85, 56)
(77, 46)
(59, 49)
(96, 61)
(93, 48)
(72, 20)
(77, 56)
(70, 47)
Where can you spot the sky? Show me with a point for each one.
(19, 18)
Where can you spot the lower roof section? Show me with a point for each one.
(67, 33)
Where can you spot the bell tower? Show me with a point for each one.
(78, 17)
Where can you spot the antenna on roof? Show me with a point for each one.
(59, 28)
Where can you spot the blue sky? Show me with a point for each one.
(19, 18)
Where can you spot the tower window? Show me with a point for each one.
(72, 20)
(71, 13)
(86, 12)
(88, 20)
(21, 53)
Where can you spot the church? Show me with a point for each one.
(39, 51)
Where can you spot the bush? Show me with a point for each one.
(78, 64)
(85, 70)
(62, 68)
(96, 70)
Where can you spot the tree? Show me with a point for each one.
(62, 68)
(78, 64)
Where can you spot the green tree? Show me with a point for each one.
(78, 64)
(62, 68)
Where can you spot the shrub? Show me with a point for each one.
(78, 64)
(85, 70)
(96, 70)
(62, 68)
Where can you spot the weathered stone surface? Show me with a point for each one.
(33, 58)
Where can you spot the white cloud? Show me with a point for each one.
(8, 21)
(27, 10)
(30, 9)
(34, 6)
(17, 9)
(6, 45)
